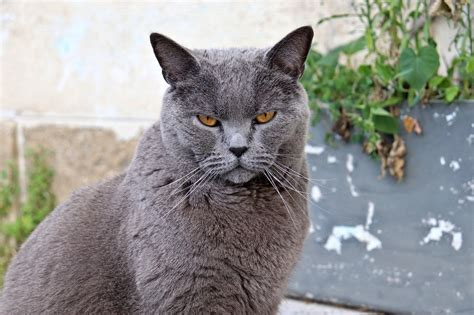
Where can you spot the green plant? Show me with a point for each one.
(9, 188)
(40, 200)
(399, 69)
(9, 191)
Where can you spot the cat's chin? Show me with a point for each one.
(239, 175)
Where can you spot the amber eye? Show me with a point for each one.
(208, 120)
(265, 117)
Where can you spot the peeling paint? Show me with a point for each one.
(470, 139)
(332, 159)
(442, 161)
(316, 194)
(311, 228)
(359, 232)
(440, 227)
(451, 117)
(350, 163)
(309, 149)
(354, 193)
(370, 215)
(454, 165)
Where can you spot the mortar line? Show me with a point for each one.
(20, 142)
(83, 119)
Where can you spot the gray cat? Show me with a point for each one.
(210, 216)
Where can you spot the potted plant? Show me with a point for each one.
(402, 245)
(399, 69)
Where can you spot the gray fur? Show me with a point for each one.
(157, 240)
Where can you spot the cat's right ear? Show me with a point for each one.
(290, 53)
(176, 61)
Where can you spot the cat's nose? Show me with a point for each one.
(238, 151)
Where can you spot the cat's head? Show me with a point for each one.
(235, 112)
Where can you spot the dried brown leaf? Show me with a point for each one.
(412, 125)
(392, 156)
(343, 127)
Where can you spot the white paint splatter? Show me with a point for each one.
(354, 193)
(430, 221)
(442, 161)
(456, 243)
(469, 188)
(440, 227)
(359, 232)
(309, 149)
(454, 165)
(332, 159)
(311, 228)
(470, 139)
(370, 215)
(340, 233)
(450, 117)
(350, 163)
(316, 193)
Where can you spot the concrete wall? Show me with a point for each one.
(80, 78)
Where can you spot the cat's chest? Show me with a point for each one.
(234, 240)
(228, 221)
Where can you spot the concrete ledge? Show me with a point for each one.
(294, 307)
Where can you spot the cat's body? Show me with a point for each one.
(173, 235)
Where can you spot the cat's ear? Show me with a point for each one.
(176, 61)
(290, 53)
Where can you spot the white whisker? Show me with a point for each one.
(276, 189)
(285, 187)
(193, 188)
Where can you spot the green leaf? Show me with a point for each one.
(365, 70)
(385, 72)
(353, 46)
(394, 100)
(417, 69)
(413, 97)
(369, 40)
(379, 111)
(470, 65)
(330, 59)
(450, 93)
(435, 81)
(387, 124)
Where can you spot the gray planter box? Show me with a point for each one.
(416, 255)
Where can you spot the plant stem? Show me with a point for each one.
(370, 32)
(426, 26)
(469, 26)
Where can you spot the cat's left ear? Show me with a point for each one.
(290, 53)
